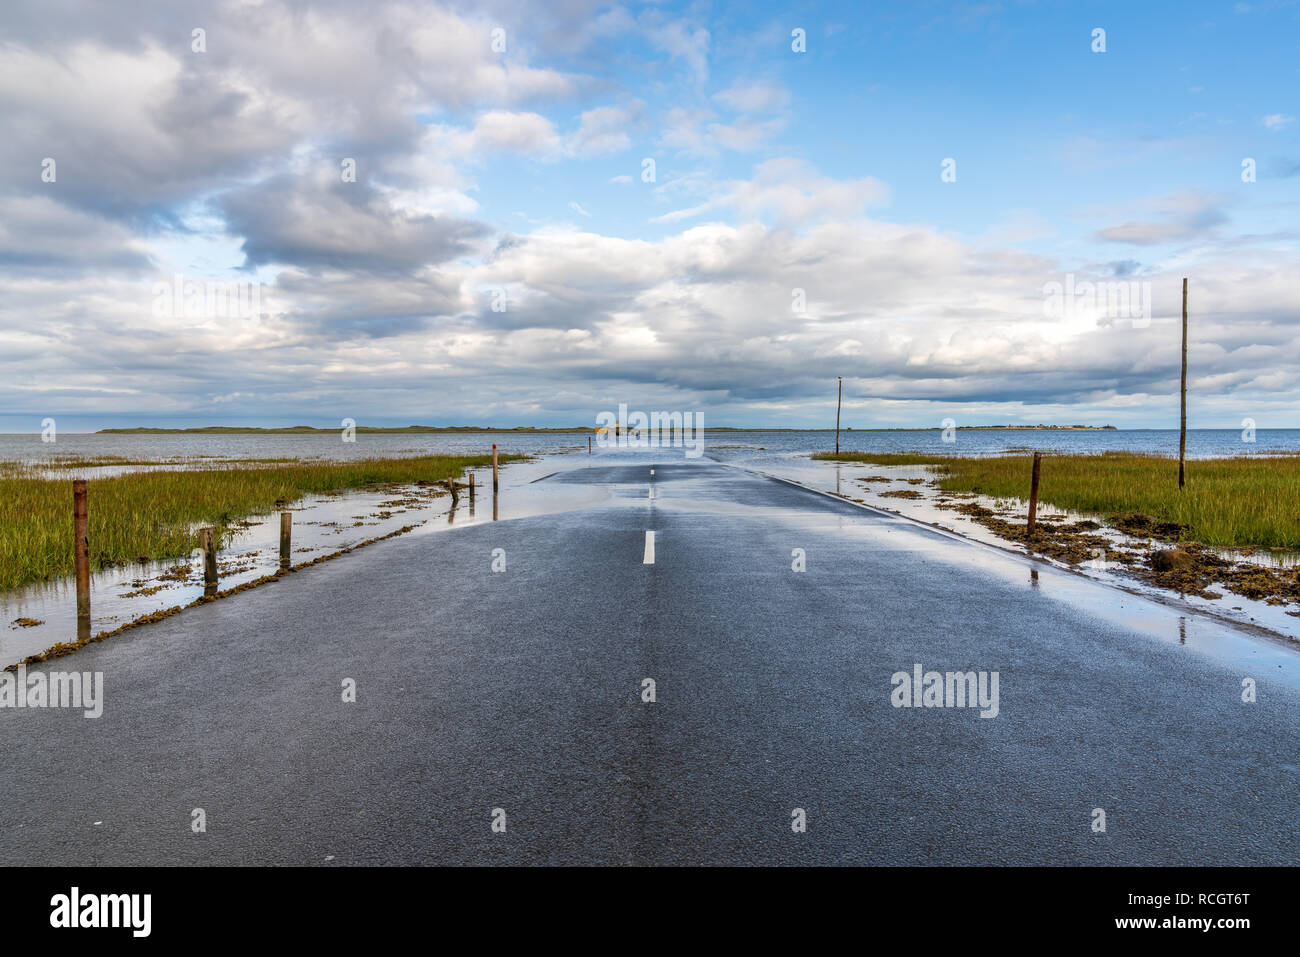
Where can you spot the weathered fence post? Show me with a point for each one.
(207, 541)
(589, 445)
(495, 480)
(81, 556)
(471, 486)
(1033, 492)
(286, 539)
(455, 493)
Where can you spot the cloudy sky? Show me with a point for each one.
(526, 213)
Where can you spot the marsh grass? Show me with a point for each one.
(118, 461)
(146, 516)
(1248, 501)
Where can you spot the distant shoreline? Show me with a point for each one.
(476, 429)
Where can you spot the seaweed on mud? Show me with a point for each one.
(1141, 525)
(1065, 543)
(1192, 568)
(1189, 569)
(177, 573)
(144, 592)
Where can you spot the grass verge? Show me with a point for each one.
(147, 516)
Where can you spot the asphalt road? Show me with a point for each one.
(522, 690)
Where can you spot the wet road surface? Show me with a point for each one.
(516, 696)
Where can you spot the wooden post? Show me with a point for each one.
(455, 493)
(286, 538)
(207, 541)
(81, 556)
(1182, 418)
(589, 445)
(838, 402)
(471, 486)
(1033, 493)
(495, 480)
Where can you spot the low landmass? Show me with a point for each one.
(420, 429)
(309, 430)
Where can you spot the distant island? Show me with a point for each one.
(1018, 428)
(312, 430)
(421, 429)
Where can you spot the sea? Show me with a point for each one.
(1201, 443)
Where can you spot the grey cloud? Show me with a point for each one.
(313, 224)
(37, 232)
(1181, 216)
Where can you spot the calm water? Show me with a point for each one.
(1201, 443)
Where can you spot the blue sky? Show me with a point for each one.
(514, 178)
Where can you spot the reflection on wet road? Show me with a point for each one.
(668, 680)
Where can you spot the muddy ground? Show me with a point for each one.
(1150, 549)
(1166, 561)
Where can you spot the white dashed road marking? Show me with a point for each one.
(649, 549)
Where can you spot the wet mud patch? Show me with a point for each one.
(1144, 526)
(1071, 543)
(1193, 569)
(1188, 568)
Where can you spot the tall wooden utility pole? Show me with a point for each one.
(838, 402)
(1182, 423)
